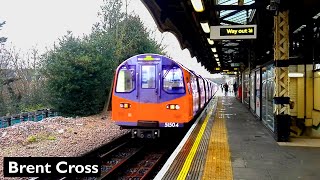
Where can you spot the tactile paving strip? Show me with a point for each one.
(184, 159)
(197, 166)
(218, 161)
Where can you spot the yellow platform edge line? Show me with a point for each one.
(186, 166)
(218, 160)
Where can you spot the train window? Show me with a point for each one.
(194, 84)
(148, 77)
(201, 85)
(173, 80)
(125, 80)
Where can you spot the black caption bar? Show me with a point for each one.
(51, 167)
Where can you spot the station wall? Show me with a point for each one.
(304, 95)
(293, 92)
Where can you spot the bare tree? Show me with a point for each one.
(20, 83)
(110, 14)
(2, 39)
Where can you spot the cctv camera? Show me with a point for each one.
(271, 8)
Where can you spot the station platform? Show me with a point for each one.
(230, 143)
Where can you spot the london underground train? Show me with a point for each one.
(153, 92)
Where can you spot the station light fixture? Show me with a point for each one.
(295, 75)
(217, 59)
(299, 29)
(211, 42)
(316, 16)
(205, 26)
(197, 5)
(214, 50)
(216, 55)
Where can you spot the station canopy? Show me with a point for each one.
(190, 22)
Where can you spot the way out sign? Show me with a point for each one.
(233, 32)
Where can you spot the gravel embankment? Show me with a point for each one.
(57, 136)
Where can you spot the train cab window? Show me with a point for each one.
(125, 80)
(148, 77)
(173, 80)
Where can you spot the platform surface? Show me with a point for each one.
(230, 143)
(256, 155)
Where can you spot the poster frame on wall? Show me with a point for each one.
(316, 71)
(252, 93)
(258, 83)
(265, 65)
(245, 90)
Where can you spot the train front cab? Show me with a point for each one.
(151, 94)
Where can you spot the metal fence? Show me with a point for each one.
(38, 115)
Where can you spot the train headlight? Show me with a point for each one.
(173, 106)
(125, 105)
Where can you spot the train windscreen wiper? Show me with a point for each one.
(167, 71)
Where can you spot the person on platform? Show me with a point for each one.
(226, 88)
(235, 88)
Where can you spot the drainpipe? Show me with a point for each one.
(305, 91)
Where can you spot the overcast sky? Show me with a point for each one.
(40, 23)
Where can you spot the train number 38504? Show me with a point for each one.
(171, 124)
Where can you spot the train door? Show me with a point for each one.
(149, 82)
(195, 94)
(201, 91)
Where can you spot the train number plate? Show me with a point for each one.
(171, 124)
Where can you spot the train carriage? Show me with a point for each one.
(152, 92)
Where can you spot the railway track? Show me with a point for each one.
(119, 156)
(133, 160)
(126, 158)
(137, 159)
